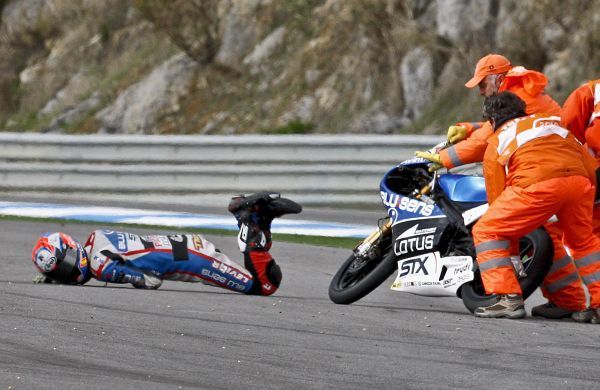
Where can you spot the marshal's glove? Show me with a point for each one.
(433, 157)
(456, 134)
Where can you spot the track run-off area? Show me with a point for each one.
(185, 336)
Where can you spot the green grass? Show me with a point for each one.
(334, 242)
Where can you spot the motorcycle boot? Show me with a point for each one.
(146, 281)
(508, 306)
(125, 272)
(254, 214)
(551, 311)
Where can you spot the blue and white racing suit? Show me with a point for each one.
(121, 257)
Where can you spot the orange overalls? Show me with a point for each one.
(533, 169)
(562, 286)
(580, 114)
(529, 86)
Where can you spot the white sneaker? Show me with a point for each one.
(508, 306)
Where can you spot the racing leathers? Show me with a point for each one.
(144, 261)
(533, 170)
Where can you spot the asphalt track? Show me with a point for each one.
(186, 336)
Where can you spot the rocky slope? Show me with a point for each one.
(251, 66)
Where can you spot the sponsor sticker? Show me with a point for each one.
(159, 241)
(406, 204)
(414, 266)
(197, 241)
(227, 270)
(464, 268)
(83, 261)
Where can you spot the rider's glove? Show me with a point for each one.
(433, 157)
(41, 279)
(456, 134)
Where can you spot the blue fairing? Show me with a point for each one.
(415, 161)
(462, 188)
(402, 207)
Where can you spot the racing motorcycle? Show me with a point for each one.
(427, 238)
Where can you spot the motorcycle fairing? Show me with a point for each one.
(472, 215)
(403, 207)
(432, 275)
(396, 190)
(463, 188)
(414, 162)
(418, 236)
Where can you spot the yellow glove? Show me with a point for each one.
(456, 134)
(433, 157)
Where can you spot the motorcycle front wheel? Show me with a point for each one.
(358, 277)
(536, 251)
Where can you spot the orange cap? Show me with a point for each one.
(490, 64)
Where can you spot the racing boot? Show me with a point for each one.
(138, 279)
(550, 310)
(254, 214)
(146, 281)
(508, 306)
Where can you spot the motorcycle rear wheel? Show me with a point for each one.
(538, 249)
(358, 277)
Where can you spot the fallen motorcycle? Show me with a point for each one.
(427, 238)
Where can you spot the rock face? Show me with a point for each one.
(416, 70)
(262, 51)
(245, 66)
(137, 109)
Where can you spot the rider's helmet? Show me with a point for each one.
(62, 259)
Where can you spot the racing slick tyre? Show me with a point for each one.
(536, 252)
(358, 277)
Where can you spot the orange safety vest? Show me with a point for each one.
(531, 149)
(523, 130)
(595, 89)
(579, 114)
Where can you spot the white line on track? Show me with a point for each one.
(174, 219)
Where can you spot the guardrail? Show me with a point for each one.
(316, 169)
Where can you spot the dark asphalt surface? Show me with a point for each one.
(186, 336)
